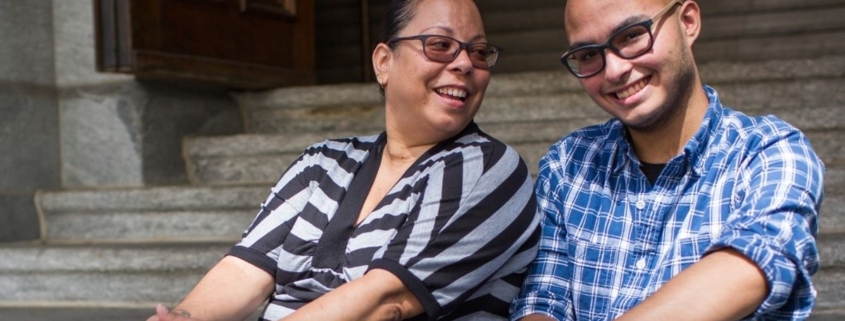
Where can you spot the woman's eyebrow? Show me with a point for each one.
(451, 32)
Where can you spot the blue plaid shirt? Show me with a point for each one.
(610, 239)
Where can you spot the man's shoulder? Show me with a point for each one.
(589, 146)
(738, 125)
(594, 136)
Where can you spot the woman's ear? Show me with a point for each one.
(382, 60)
(690, 21)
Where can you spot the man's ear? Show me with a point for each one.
(382, 60)
(690, 21)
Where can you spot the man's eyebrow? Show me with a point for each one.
(621, 25)
(631, 20)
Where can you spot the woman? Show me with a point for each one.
(432, 219)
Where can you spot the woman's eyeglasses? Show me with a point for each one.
(446, 49)
(629, 42)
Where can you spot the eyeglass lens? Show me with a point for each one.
(627, 43)
(443, 49)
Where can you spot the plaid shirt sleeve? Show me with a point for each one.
(546, 288)
(775, 218)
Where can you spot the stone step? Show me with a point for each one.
(248, 158)
(797, 20)
(359, 108)
(107, 274)
(827, 146)
(540, 28)
(832, 215)
(530, 138)
(788, 46)
(143, 275)
(541, 54)
(708, 8)
(833, 314)
(733, 7)
(514, 17)
(59, 311)
(153, 214)
(534, 118)
(830, 284)
(830, 279)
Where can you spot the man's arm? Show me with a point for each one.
(545, 294)
(724, 285)
(538, 317)
(231, 290)
(762, 262)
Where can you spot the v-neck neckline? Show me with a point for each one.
(331, 247)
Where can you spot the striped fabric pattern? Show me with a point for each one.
(610, 238)
(459, 228)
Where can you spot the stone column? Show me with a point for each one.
(29, 123)
(64, 125)
(119, 131)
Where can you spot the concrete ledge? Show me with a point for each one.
(151, 198)
(183, 214)
(158, 273)
(782, 47)
(261, 169)
(312, 96)
(168, 287)
(546, 82)
(107, 311)
(766, 85)
(830, 284)
(261, 159)
(832, 249)
(110, 258)
(190, 226)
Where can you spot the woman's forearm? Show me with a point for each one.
(378, 295)
(231, 290)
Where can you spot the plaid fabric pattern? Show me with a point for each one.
(610, 238)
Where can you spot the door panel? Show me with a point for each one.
(248, 44)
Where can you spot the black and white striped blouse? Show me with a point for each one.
(459, 228)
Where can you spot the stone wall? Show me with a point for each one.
(29, 137)
(116, 130)
(65, 125)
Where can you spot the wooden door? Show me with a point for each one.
(242, 44)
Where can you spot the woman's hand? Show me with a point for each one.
(162, 314)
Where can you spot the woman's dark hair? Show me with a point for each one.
(399, 13)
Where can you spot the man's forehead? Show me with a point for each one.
(584, 18)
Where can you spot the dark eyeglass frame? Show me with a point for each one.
(648, 24)
(462, 46)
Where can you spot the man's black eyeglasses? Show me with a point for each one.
(629, 42)
(446, 49)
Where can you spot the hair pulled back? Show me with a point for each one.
(399, 14)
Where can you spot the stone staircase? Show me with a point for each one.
(133, 247)
(112, 254)
(737, 30)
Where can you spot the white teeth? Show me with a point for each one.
(630, 91)
(454, 92)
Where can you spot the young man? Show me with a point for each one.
(678, 208)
